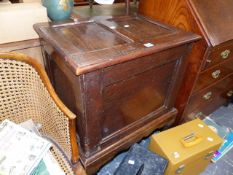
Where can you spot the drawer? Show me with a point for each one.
(219, 55)
(212, 97)
(206, 109)
(214, 74)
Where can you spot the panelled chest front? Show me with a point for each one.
(208, 79)
(119, 75)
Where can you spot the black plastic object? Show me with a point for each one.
(140, 161)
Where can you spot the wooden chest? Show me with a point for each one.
(119, 75)
(208, 81)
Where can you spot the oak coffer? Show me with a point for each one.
(118, 74)
(208, 81)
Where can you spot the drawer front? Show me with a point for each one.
(208, 108)
(214, 74)
(219, 55)
(209, 99)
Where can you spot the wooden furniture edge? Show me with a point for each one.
(18, 45)
(159, 45)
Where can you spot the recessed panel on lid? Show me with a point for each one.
(88, 37)
(138, 29)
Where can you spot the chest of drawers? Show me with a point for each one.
(120, 75)
(207, 83)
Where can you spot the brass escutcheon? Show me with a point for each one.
(230, 93)
(225, 54)
(199, 115)
(216, 74)
(207, 96)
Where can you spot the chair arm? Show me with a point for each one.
(66, 112)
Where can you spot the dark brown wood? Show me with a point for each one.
(14, 1)
(216, 73)
(217, 27)
(81, 2)
(29, 47)
(106, 154)
(209, 94)
(212, 20)
(86, 2)
(120, 75)
(215, 56)
(19, 45)
(127, 6)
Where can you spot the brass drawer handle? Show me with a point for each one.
(193, 115)
(199, 115)
(230, 93)
(207, 96)
(216, 74)
(225, 54)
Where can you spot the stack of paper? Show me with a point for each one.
(224, 133)
(227, 145)
(24, 152)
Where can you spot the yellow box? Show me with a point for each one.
(188, 147)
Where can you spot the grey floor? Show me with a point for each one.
(222, 116)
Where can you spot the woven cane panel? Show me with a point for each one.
(23, 96)
(62, 161)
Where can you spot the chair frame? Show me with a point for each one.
(43, 75)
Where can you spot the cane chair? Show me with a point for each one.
(26, 93)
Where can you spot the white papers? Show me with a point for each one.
(30, 126)
(104, 1)
(20, 150)
(50, 165)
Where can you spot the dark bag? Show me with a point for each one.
(140, 161)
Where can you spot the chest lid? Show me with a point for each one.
(216, 19)
(87, 45)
